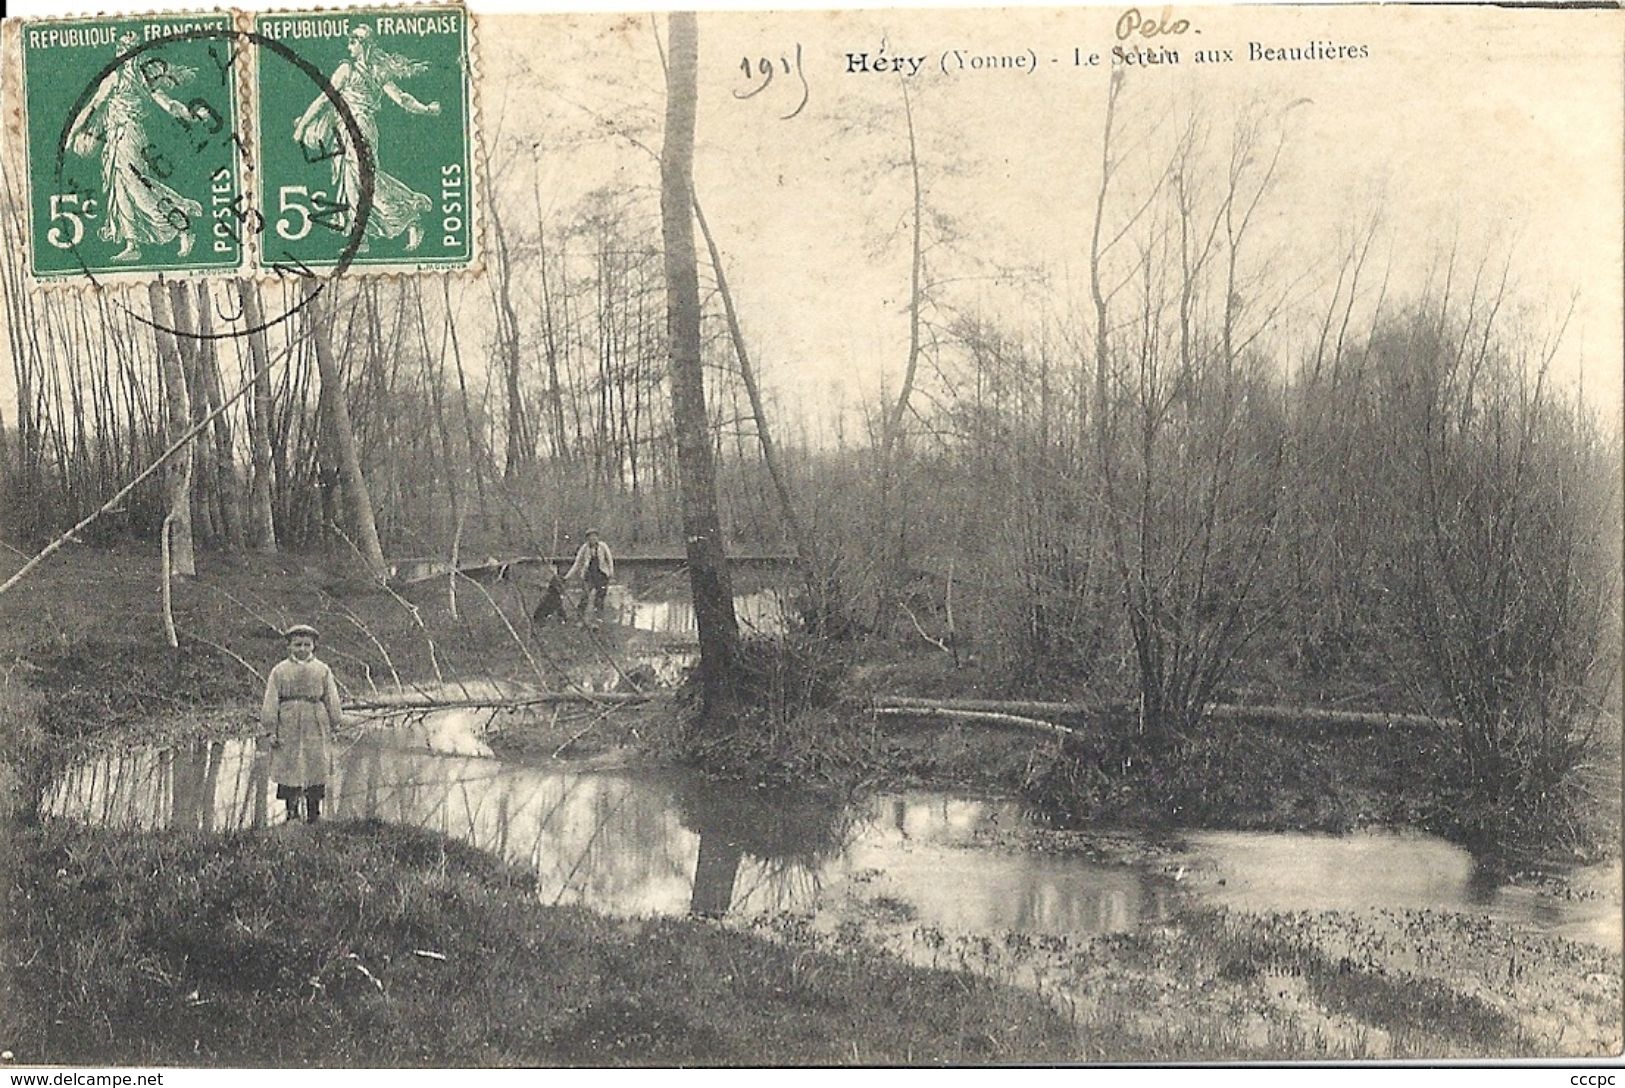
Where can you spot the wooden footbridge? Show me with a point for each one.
(409, 571)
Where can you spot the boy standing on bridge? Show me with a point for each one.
(596, 566)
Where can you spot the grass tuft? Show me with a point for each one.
(308, 946)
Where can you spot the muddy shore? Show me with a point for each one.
(1305, 984)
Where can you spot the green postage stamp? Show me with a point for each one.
(364, 138)
(134, 145)
(299, 143)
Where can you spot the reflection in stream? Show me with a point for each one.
(671, 843)
(763, 612)
(645, 843)
(671, 620)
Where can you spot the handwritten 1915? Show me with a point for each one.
(764, 69)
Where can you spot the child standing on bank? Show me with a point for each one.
(301, 709)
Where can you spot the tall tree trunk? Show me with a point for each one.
(707, 563)
(770, 456)
(178, 474)
(555, 399)
(436, 377)
(521, 445)
(202, 467)
(476, 449)
(894, 556)
(261, 522)
(893, 430)
(357, 499)
(225, 463)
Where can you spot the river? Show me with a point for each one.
(669, 842)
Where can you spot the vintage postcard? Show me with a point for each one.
(886, 537)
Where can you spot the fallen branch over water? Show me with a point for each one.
(1006, 713)
(1024, 707)
(1318, 715)
(1218, 712)
(423, 700)
(613, 699)
(979, 717)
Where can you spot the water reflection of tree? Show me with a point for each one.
(1113, 900)
(193, 775)
(619, 842)
(792, 835)
(607, 840)
(207, 785)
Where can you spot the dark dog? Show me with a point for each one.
(551, 604)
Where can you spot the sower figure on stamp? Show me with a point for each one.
(596, 565)
(137, 206)
(301, 708)
(363, 81)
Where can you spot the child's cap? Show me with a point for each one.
(300, 629)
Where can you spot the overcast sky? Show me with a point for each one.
(1496, 131)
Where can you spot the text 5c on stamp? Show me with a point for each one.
(134, 152)
(364, 116)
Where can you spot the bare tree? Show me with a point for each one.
(521, 442)
(1506, 558)
(893, 428)
(1192, 483)
(702, 530)
(262, 525)
(336, 409)
(178, 473)
(747, 374)
(223, 459)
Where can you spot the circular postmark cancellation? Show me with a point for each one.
(122, 168)
(405, 74)
(154, 133)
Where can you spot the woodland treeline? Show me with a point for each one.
(1185, 491)
(517, 435)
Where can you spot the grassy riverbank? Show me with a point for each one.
(307, 946)
(1216, 985)
(85, 663)
(366, 944)
(99, 611)
(370, 944)
(83, 659)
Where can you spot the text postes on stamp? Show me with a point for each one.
(397, 80)
(134, 152)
